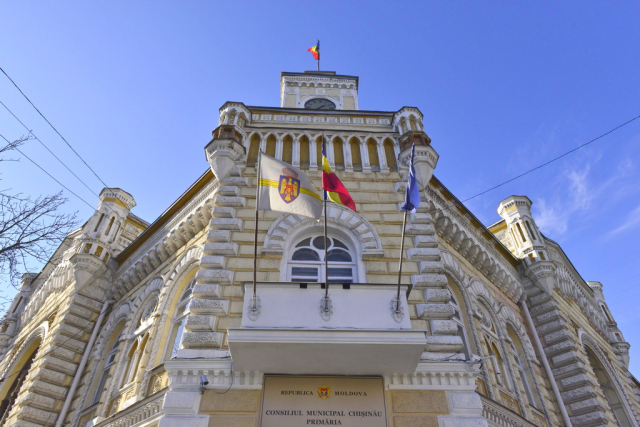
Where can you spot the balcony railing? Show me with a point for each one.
(292, 333)
(500, 416)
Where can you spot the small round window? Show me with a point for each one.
(307, 261)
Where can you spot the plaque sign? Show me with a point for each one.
(290, 401)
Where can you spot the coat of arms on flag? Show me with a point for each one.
(324, 392)
(289, 185)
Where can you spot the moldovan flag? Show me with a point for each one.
(334, 189)
(285, 188)
(315, 50)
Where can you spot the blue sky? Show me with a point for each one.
(504, 86)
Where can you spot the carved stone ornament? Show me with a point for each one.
(224, 150)
(424, 162)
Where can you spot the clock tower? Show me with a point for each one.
(318, 90)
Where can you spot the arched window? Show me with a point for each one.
(356, 157)
(412, 122)
(533, 235)
(319, 151)
(254, 148)
(307, 261)
(338, 153)
(18, 378)
(499, 367)
(271, 146)
(524, 239)
(606, 313)
(459, 318)
(523, 369)
(374, 161)
(109, 361)
(390, 155)
(609, 389)
(287, 149)
(304, 152)
(133, 358)
(179, 318)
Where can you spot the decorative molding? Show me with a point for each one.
(143, 414)
(197, 201)
(499, 415)
(314, 117)
(185, 374)
(447, 376)
(342, 217)
(466, 240)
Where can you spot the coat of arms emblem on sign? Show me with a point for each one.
(324, 392)
(289, 185)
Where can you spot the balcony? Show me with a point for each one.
(292, 334)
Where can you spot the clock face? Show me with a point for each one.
(319, 104)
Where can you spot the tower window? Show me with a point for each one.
(113, 218)
(99, 222)
(533, 235)
(524, 239)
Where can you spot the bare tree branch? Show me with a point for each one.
(30, 229)
(12, 146)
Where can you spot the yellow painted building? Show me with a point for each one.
(145, 324)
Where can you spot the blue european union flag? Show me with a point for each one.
(412, 198)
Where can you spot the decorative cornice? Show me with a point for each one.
(314, 117)
(175, 220)
(447, 376)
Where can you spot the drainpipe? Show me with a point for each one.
(83, 362)
(545, 363)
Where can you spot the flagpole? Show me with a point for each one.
(404, 225)
(326, 260)
(319, 70)
(254, 307)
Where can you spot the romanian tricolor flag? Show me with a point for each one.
(315, 51)
(334, 189)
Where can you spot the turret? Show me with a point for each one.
(528, 241)
(616, 339)
(99, 240)
(408, 122)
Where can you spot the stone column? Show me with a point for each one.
(296, 152)
(364, 153)
(313, 155)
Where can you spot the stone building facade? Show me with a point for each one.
(141, 324)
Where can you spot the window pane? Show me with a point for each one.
(186, 295)
(342, 272)
(304, 271)
(179, 327)
(318, 242)
(339, 244)
(101, 385)
(305, 255)
(338, 255)
(340, 280)
(305, 242)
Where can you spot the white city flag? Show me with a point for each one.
(285, 188)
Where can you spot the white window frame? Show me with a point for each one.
(110, 360)
(177, 323)
(319, 265)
